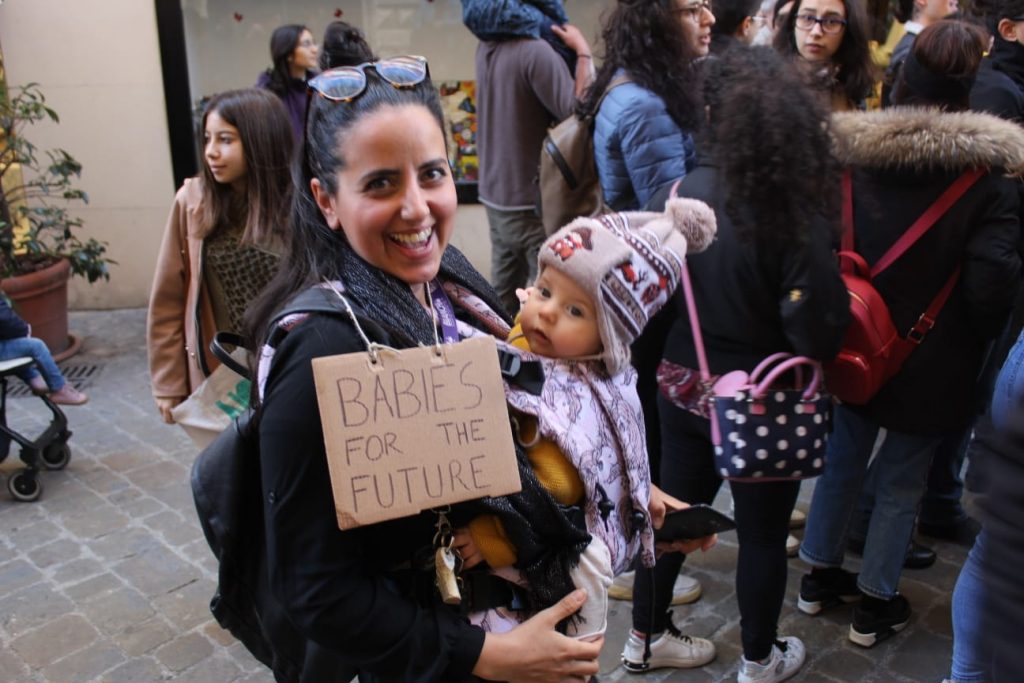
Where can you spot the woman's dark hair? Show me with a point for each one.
(344, 45)
(856, 75)
(990, 12)
(265, 133)
(903, 10)
(315, 251)
(283, 42)
(777, 9)
(729, 15)
(647, 39)
(941, 67)
(767, 134)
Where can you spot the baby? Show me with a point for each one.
(600, 280)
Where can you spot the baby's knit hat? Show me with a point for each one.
(630, 263)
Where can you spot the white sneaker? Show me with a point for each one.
(792, 545)
(786, 659)
(685, 590)
(671, 649)
(797, 518)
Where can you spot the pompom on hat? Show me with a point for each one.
(630, 263)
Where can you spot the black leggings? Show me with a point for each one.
(762, 516)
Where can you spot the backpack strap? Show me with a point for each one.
(903, 346)
(923, 224)
(612, 84)
(919, 228)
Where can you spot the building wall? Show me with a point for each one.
(99, 66)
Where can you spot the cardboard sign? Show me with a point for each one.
(414, 430)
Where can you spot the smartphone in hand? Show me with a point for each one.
(696, 521)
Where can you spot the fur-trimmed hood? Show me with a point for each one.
(926, 139)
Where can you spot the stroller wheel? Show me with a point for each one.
(56, 456)
(24, 486)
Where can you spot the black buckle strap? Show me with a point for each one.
(527, 375)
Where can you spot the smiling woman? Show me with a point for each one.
(373, 217)
(395, 200)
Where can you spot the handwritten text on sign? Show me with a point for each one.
(414, 430)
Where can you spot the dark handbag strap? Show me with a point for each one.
(920, 227)
(217, 347)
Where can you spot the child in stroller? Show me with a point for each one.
(28, 358)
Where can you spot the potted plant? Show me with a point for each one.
(39, 246)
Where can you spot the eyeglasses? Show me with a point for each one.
(693, 10)
(806, 22)
(345, 83)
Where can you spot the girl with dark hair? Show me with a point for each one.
(223, 239)
(293, 53)
(829, 39)
(344, 45)
(371, 222)
(643, 131)
(768, 283)
(901, 161)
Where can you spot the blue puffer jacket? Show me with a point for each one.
(503, 19)
(638, 147)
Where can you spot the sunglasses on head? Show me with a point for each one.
(345, 83)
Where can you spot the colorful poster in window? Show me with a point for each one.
(458, 100)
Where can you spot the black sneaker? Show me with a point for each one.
(874, 620)
(825, 588)
(962, 532)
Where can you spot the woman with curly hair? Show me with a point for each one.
(642, 134)
(768, 283)
(829, 40)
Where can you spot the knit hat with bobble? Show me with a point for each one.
(630, 263)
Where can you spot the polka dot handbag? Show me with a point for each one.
(762, 428)
(767, 430)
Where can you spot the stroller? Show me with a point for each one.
(49, 450)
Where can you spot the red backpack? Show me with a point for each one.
(873, 351)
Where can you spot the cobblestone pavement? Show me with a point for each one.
(108, 577)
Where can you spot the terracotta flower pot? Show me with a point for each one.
(41, 299)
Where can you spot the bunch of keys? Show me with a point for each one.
(445, 561)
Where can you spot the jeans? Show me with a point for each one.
(762, 519)
(970, 653)
(1009, 389)
(940, 504)
(36, 349)
(901, 466)
(516, 237)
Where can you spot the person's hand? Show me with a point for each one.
(462, 542)
(660, 504)
(535, 651)
(165, 404)
(573, 38)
